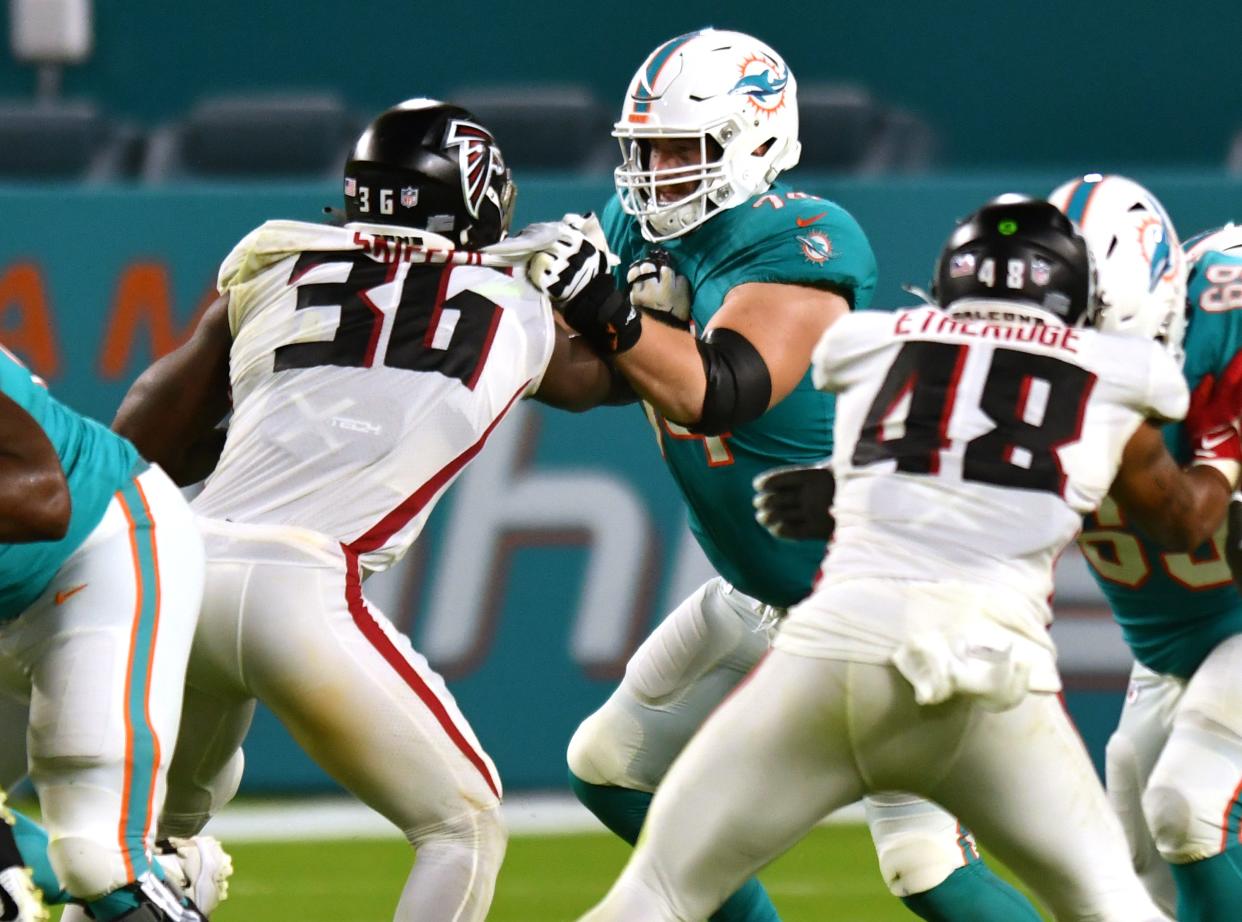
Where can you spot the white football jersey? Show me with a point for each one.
(364, 379)
(969, 450)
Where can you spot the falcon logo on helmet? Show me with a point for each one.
(478, 158)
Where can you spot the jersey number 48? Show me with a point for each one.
(1019, 451)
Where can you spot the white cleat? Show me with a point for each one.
(20, 899)
(199, 867)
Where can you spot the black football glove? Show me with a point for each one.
(794, 502)
(604, 317)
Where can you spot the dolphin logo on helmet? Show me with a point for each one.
(708, 87)
(759, 85)
(1142, 269)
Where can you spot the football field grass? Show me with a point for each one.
(829, 877)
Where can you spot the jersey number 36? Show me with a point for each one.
(427, 332)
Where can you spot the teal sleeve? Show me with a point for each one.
(809, 241)
(624, 239)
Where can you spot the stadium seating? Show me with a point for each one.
(844, 129)
(257, 137)
(59, 140)
(1233, 162)
(545, 127)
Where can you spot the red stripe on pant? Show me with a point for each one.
(384, 646)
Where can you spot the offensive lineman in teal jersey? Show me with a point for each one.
(756, 271)
(776, 238)
(101, 572)
(1175, 761)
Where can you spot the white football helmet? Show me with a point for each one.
(731, 92)
(1139, 260)
(1227, 239)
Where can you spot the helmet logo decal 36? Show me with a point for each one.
(762, 84)
(478, 159)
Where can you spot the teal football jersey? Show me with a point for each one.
(1174, 608)
(96, 463)
(783, 236)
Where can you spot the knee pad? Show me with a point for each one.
(604, 748)
(189, 804)
(86, 866)
(917, 843)
(1194, 782)
(916, 863)
(1170, 816)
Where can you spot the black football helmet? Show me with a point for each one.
(430, 165)
(1017, 248)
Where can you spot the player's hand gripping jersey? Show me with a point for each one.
(968, 451)
(364, 378)
(786, 237)
(1174, 608)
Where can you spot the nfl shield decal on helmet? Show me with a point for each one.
(1041, 271)
(409, 197)
(478, 159)
(816, 247)
(762, 82)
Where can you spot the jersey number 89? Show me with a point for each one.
(1118, 556)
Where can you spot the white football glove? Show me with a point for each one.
(655, 286)
(21, 900)
(578, 255)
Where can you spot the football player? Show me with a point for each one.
(367, 364)
(1175, 760)
(969, 442)
(746, 272)
(101, 574)
(1178, 611)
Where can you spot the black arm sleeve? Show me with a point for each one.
(739, 385)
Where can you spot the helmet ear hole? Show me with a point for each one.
(763, 148)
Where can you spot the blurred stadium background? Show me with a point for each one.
(140, 139)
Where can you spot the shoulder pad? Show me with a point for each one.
(276, 240)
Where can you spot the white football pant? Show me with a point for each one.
(284, 621)
(804, 736)
(681, 673)
(95, 670)
(1175, 763)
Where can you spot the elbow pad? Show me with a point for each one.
(738, 383)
